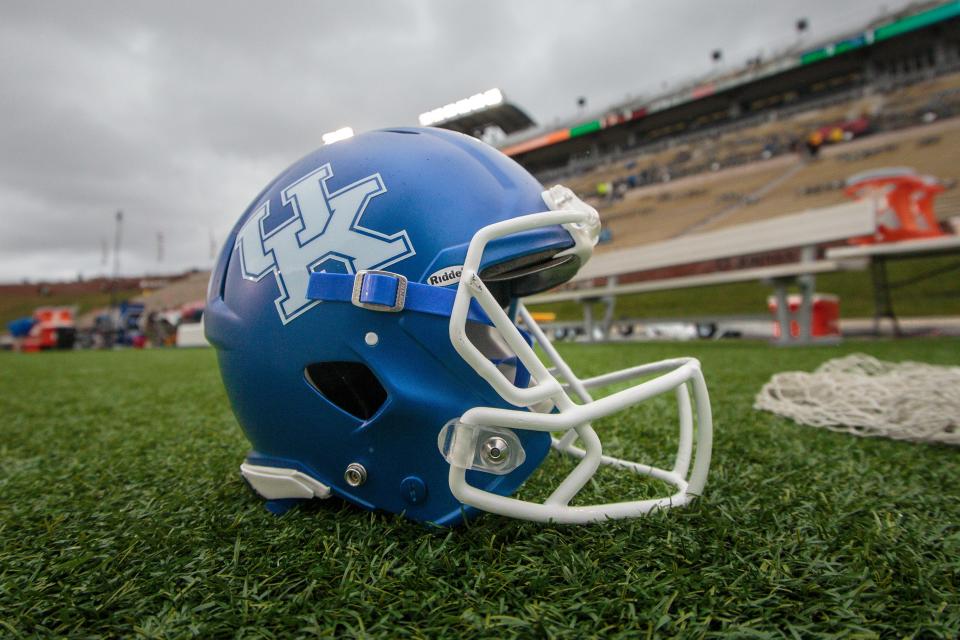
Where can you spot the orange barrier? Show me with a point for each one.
(904, 204)
(824, 318)
(543, 316)
(53, 328)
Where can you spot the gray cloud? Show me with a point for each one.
(178, 113)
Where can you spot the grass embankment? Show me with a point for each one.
(19, 306)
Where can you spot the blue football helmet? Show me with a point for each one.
(366, 312)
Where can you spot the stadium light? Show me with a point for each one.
(476, 102)
(337, 136)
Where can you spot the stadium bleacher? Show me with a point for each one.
(748, 174)
(931, 150)
(665, 211)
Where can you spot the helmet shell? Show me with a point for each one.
(404, 200)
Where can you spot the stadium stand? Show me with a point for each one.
(932, 150)
(899, 49)
(189, 288)
(665, 211)
(706, 198)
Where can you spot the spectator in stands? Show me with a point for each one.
(771, 147)
(619, 189)
(814, 142)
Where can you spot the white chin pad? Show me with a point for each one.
(585, 233)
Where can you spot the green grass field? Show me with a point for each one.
(122, 513)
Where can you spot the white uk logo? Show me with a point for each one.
(325, 226)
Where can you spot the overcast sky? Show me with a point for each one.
(178, 113)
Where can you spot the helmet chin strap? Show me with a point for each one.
(563, 415)
(387, 292)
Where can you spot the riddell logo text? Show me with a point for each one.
(445, 276)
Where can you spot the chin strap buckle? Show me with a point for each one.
(379, 291)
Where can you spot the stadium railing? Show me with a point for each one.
(879, 254)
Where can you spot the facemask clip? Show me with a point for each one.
(489, 449)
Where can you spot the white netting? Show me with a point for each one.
(864, 396)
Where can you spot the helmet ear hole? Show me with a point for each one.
(350, 386)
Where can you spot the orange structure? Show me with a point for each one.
(53, 328)
(904, 203)
(824, 316)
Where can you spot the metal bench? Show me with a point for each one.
(806, 231)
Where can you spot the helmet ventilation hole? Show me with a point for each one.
(351, 386)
